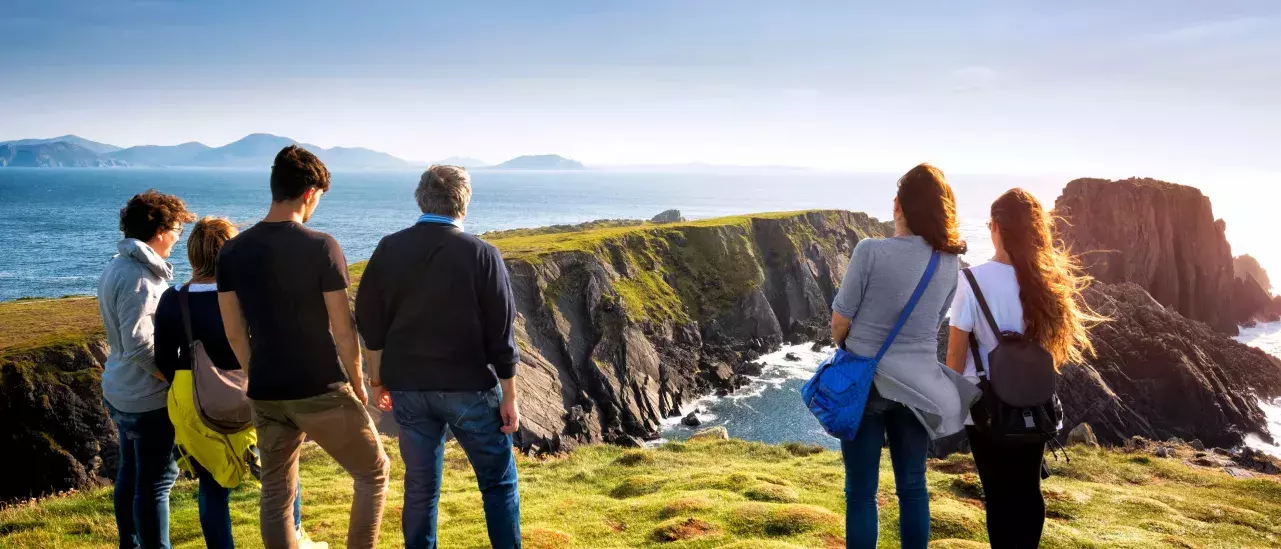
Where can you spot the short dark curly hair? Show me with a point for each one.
(294, 171)
(146, 214)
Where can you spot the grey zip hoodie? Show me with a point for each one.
(128, 292)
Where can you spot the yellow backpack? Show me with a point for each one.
(229, 458)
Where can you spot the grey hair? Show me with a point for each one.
(444, 190)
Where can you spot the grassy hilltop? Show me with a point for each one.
(731, 493)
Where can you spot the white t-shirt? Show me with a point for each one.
(1001, 291)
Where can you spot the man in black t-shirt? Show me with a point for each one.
(283, 295)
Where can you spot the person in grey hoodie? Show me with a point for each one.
(133, 389)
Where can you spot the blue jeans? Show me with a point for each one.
(146, 475)
(214, 504)
(474, 420)
(908, 444)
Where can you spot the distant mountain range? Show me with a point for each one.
(253, 151)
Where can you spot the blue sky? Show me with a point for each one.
(1168, 88)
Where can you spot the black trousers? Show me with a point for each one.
(1011, 476)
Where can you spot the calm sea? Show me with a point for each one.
(59, 226)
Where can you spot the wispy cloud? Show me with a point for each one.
(1207, 31)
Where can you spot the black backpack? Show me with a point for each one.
(1019, 402)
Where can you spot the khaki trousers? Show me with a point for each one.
(339, 423)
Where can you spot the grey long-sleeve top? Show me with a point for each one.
(880, 279)
(128, 292)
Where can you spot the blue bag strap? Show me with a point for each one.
(911, 304)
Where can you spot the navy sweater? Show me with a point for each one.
(437, 302)
(206, 326)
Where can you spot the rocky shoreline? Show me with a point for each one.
(620, 324)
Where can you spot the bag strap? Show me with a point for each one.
(978, 356)
(978, 294)
(911, 304)
(184, 303)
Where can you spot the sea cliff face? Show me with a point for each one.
(1163, 237)
(620, 327)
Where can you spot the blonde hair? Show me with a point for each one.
(1050, 279)
(204, 243)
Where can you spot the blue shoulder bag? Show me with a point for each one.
(838, 391)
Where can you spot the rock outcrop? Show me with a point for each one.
(1161, 236)
(55, 431)
(1246, 267)
(668, 216)
(619, 331)
(1160, 375)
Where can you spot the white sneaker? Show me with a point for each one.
(305, 542)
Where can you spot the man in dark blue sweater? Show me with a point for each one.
(436, 312)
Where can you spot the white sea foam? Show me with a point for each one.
(1268, 338)
(775, 371)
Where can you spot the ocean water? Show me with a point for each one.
(769, 408)
(59, 226)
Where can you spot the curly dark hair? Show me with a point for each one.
(294, 171)
(929, 207)
(146, 214)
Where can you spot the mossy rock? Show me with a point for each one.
(968, 486)
(772, 493)
(545, 538)
(683, 528)
(686, 505)
(710, 434)
(638, 485)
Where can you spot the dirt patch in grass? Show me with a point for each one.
(681, 529)
(545, 538)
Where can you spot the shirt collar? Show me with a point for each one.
(440, 220)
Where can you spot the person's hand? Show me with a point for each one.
(511, 415)
(359, 390)
(382, 398)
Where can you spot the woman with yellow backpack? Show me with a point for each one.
(207, 403)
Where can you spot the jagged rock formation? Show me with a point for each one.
(1159, 375)
(619, 333)
(1161, 236)
(1246, 266)
(55, 431)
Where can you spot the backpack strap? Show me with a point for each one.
(987, 313)
(184, 303)
(978, 294)
(911, 304)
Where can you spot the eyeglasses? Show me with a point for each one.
(177, 229)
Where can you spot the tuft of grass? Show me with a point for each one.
(772, 493)
(698, 496)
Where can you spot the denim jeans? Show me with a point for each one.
(214, 504)
(909, 441)
(146, 475)
(474, 420)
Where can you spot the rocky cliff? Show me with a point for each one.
(1160, 375)
(621, 326)
(1161, 236)
(55, 431)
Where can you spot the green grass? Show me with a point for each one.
(31, 323)
(730, 494)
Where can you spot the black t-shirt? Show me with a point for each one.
(280, 272)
